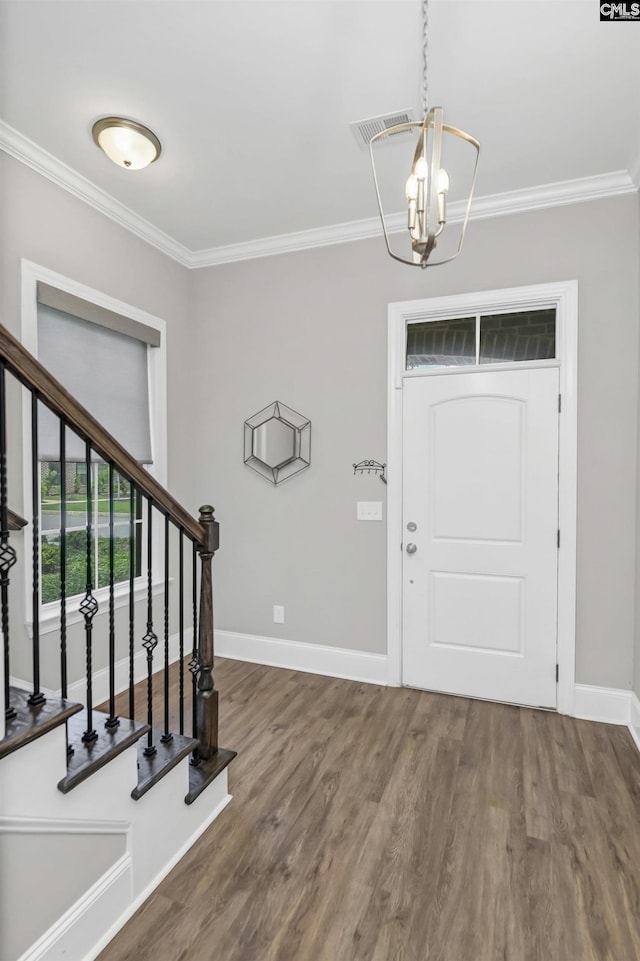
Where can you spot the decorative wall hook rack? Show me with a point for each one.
(371, 467)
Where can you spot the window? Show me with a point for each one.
(73, 489)
(524, 336)
(507, 338)
(112, 358)
(441, 343)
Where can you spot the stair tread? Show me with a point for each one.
(167, 756)
(32, 721)
(89, 758)
(202, 774)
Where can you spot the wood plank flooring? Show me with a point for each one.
(382, 824)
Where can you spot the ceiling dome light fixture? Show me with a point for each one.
(129, 144)
(428, 182)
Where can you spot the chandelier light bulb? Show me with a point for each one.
(422, 169)
(443, 181)
(411, 190)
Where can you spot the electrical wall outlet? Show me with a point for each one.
(278, 614)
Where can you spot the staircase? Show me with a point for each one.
(98, 800)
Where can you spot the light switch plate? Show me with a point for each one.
(369, 510)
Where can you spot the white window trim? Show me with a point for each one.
(564, 296)
(31, 274)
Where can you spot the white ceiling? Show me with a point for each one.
(251, 100)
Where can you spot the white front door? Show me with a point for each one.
(480, 521)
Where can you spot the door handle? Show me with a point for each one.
(411, 548)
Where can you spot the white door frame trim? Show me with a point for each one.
(564, 296)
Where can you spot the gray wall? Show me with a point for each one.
(309, 329)
(45, 224)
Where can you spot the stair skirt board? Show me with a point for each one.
(91, 923)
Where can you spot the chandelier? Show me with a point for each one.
(428, 183)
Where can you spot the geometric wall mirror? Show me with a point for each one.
(277, 442)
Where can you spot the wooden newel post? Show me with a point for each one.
(207, 700)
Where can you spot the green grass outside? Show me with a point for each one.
(78, 503)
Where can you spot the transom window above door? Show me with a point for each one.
(499, 338)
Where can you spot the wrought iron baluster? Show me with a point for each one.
(194, 663)
(89, 605)
(63, 557)
(7, 552)
(150, 640)
(132, 568)
(37, 697)
(63, 570)
(112, 721)
(181, 633)
(167, 735)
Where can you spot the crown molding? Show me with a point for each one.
(289, 243)
(29, 153)
(493, 205)
(598, 187)
(483, 208)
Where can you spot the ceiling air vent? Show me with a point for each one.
(364, 130)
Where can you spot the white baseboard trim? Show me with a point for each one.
(298, 656)
(74, 932)
(153, 884)
(608, 704)
(634, 725)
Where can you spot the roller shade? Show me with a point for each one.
(84, 310)
(106, 371)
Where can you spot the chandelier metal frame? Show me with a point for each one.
(428, 181)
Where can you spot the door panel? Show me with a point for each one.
(480, 477)
(477, 612)
(476, 446)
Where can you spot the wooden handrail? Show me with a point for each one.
(15, 521)
(24, 366)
